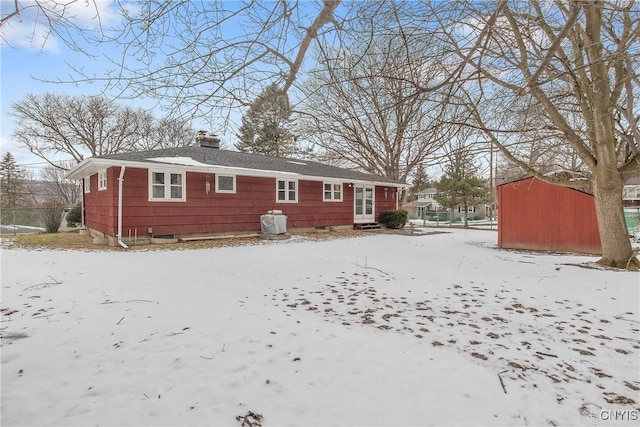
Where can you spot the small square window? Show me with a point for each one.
(225, 184)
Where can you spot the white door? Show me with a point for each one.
(364, 204)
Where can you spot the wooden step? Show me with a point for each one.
(367, 226)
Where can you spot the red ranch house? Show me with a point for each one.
(536, 215)
(205, 191)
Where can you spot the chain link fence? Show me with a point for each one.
(32, 219)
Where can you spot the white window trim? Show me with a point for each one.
(630, 192)
(87, 184)
(167, 186)
(102, 180)
(226, 191)
(286, 186)
(332, 184)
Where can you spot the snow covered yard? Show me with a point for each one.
(439, 329)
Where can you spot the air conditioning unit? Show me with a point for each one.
(273, 224)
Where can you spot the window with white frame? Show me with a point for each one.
(287, 191)
(102, 180)
(87, 184)
(225, 183)
(332, 192)
(167, 186)
(630, 192)
(470, 209)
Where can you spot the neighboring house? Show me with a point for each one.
(631, 203)
(202, 191)
(427, 207)
(631, 193)
(424, 205)
(536, 215)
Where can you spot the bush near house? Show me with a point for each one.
(52, 213)
(394, 219)
(74, 217)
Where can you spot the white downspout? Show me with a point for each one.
(397, 197)
(120, 181)
(83, 226)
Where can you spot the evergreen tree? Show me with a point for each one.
(264, 127)
(459, 186)
(420, 182)
(11, 182)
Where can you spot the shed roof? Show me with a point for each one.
(207, 159)
(580, 183)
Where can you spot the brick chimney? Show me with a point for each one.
(207, 141)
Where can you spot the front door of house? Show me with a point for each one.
(364, 204)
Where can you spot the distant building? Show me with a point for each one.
(427, 207)
(631, 192)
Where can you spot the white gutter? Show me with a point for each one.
(120, 181)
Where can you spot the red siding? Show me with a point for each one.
(385, 200)
(204, 213)
(539, 216)
(100, 207)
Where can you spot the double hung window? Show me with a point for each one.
(167, 186)
(287, 191)
(102, 180)
(332, 192)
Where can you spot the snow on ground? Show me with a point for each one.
(435, 329)
(12, 229)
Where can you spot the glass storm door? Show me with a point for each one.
(363, 204)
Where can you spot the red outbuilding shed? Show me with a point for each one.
(536, 215)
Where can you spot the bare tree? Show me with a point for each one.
(59, 189)
(362, 108)
(79, 126)
(166, 132)
(563, 74)
(207, 65)
(41, 21)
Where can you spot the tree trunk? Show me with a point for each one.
(614, 237)
(466, 216)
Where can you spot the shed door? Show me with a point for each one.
(364, 203)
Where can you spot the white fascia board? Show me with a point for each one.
(89, 167)
(352, 181)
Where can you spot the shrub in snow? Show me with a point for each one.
(394, 219)
(52, 213)
(74, 217)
